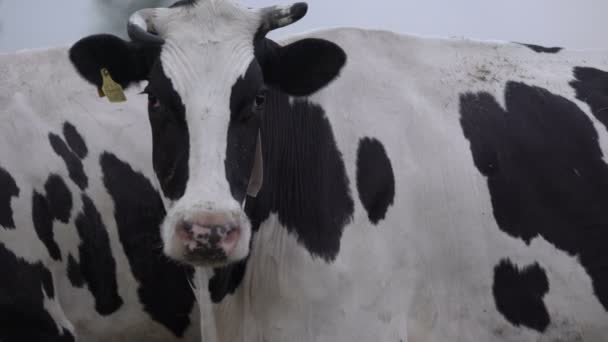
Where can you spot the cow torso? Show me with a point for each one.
(80, 247)
(437, 190)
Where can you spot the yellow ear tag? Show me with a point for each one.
(110, 88)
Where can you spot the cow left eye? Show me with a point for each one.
(260, 100)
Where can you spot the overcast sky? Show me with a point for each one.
(577, 24)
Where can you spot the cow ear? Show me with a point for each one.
(305, 66)
(126, 62)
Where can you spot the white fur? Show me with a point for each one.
(425, 273)
(195, 37)
(39, 90)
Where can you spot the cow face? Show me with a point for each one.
(209, 66)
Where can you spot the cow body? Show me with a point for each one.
(78, 257)
(412, 189)
(490, 229)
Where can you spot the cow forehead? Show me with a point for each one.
(208, 21)
(206, 71)
(207, 48)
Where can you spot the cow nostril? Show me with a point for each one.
(187, 226)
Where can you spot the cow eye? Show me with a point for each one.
(260, 99)
(153, 101)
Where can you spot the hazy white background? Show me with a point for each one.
(578, 24)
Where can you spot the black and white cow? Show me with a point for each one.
(80, 245)
(411, 189)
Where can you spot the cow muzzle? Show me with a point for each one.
(208, 238)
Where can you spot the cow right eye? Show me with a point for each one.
(153, 101)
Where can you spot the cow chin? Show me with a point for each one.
(208, 238)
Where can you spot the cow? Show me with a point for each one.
(80, 214)
(363, 185)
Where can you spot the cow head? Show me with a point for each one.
(208, 67)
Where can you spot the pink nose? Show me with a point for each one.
(209, 238)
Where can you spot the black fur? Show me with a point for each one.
(375, 179)
(302, 67)
(519, 295)
(9, 190)
(71, 159)
(43, 224)
(75, 140)
(74, 274)
(59, 198)
(97, 265)
(226, 280)
(591, 86)
(126, 62)
(163, 289)
(305, 179)
(243, 131)
(184, 3)
(22, 313)
(170, 135)
(542, 49)
(545, 172)
(56, 205)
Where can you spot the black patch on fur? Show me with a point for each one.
(9, 190)
(519, 295)
(305, 180)
(226, 280)
(127, 62)
(302, 67)
(545, 172)
(97, 264)
(59, 198)
(74, 273)
(56, 205)
(542, 49)
(22, 313)
(591, 86)
(163, 285)
(75, 140)
(243, 131)
(170, 137)
(184, 3)
(43, 224)
(375, 179)
(72, 161)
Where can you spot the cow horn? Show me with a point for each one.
(138, 27)
(280, 16)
